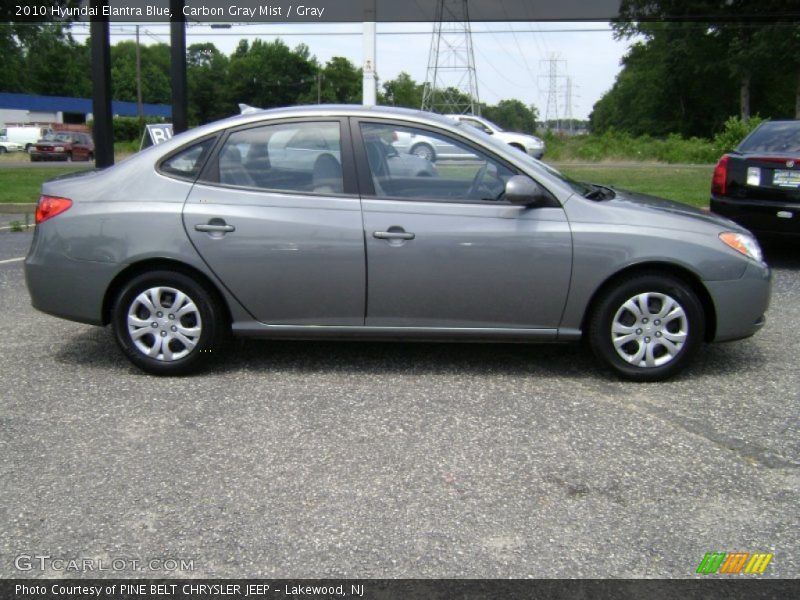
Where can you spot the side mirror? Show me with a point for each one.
(524, 191)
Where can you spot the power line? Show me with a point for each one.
(355, 33)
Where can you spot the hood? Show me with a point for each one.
(682, 215)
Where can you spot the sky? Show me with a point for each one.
(509, 57)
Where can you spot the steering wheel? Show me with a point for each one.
(474, 187)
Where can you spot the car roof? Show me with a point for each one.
(311, 110)
(352, 110)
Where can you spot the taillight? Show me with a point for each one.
(719, 181)
(50, 206)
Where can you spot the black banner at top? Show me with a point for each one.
(338, 11)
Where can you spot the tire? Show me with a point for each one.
(423, 150)
(656, 348)
(3, 150)
(69, 157)
(201, 311)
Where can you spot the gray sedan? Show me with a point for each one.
(188, 242)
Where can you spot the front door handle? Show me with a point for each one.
(393, 235)
(215, 226)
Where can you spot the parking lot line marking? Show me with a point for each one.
(13, 227)
(10, 260)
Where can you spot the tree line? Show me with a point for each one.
(689, 77)
(45, 59)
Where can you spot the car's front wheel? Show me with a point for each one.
(167, 324)
(647, 327)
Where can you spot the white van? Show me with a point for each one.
(24, 135)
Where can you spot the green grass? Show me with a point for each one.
(687, 184)
(24, 184)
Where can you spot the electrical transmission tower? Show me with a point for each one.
(451, 84)
(568, 105)
(552, 67)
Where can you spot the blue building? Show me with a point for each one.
(26, 108)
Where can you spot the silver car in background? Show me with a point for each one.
(433, 149)
(193, 240)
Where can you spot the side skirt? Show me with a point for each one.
(255, 329)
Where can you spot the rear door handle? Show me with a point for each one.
(393, 235)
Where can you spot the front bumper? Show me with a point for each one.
(536, 153)
(760, 217)
(39, 155)
(741, 304)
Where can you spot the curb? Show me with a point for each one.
(17, 208)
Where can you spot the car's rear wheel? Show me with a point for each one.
(168, 324)
(424, 151)
(647, 327)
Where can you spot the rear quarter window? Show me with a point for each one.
(187, 163)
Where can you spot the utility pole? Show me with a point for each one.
(368, 91)
(180, 100)
(451, 82)
(319, 87)
(101, 87)
(139, 105)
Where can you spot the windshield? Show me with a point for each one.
(494, 126)
(773, 137)
(57, 137)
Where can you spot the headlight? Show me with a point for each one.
(741, 242)
(59, 148)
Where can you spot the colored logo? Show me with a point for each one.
(734, 562)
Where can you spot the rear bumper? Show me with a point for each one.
(760, 217)
(741, 304)
(67, 288)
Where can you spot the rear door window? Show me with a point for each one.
(303, 157)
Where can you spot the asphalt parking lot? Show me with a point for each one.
(395, 460)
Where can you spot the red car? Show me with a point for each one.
(63, 145)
